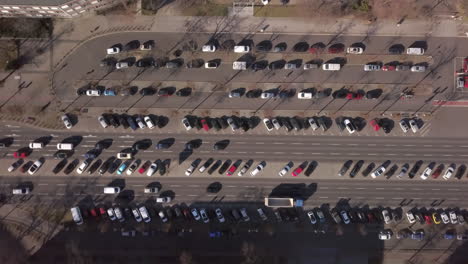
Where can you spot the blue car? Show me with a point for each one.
(121, 168)
(109, 92)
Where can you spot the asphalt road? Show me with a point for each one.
(440, 55)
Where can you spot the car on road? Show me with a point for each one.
(449, 172)
(67, 122)
(20, 191)
(436, 218)
(121, 168)
(354, 50)
(372, 67)
(244, 215)
(453, 217)
(93, 92)
(124, 155)
(162, 216)
(195, 214)
(312, 218)
(113, 50)
(418, 68)
(418, 235)
(410, 217)
(404, 126)
(133, 167)
(219, 215)
(437, 171)
(35, 167)
(231, 170)
(375, 124)
(122, 65)
(165, 199)
(209, 48)
(204, 216)
(232, 123)
(356, 168)
(335, 216)
(144, 167)
(427, 172)
(111, 214)
(445, 218)
(190, 170)
(267, 95)
(186, 124)
(268, 125)
(386, 216)
(349, 126)
(262, 214)
(244, 169)
(241, 49)
(258, 169)
(345, 168)
(211, 65)
(151, 190)
(379, 171)
(15, 165)
(403, 171)
(149, 122)
(344, 215)
(205, 165)
(82, 167)
(285, 169)
(385, 234)
(297, 171)
(136, 215)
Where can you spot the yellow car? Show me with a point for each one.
(436, 218)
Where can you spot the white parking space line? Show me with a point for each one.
(174, 185)
(323, 197)
(231, 186)
(193, 185)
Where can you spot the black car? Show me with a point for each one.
(105, 166)
(259, 65)
(109, 62)
(112, 120)
(415, 169)
(285, 122)
(71, 166)
(165, 92)
(356, 168)
(147, 91)
(95, 166)
(340, 94)
(196, 63)
(391, 171)
(145, 62)
(255, 93)
(373, 94)
(131, 123)
(276, 65)
(163, 145)
(215, 166)
(264, 46)
(285, 93)
(59, 166)
(345, 168)
(301, 47)
(396, 49)
(322, 124)
(174, 64)
(295, 123)
(280, 47)
(123, 121)
(222, 122)
(114, 165)
(225, 166)
(215, 124)
(461, 170)
(368, 169)
(184, 92)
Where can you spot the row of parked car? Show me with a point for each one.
(308, 93)
(405, 171)
(133, 90)
(419, 234)
(134, 122)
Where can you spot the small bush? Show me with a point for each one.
(362, 5)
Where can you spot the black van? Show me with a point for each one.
(131, 123)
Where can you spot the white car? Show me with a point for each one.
(103, 122)
(121, 65)
(386, 217)
(312, 218)
(209, 48)
(404, 126)
(67, 122)
(244, 169)
(145, 215)
(418, 68)
(354, 50)
(345, 217)
(379, 171)
(133, 167)
(275, 123)
(265, 2)
(204, 216)
(162, 216)
(267, 95)
(93, 92)
(445, 218)
(426, 173)
(211, 65)
(410, 216)
(82, 167)
(349, 126)
(414, 126)
(113, 50)
(195, 214)
(313, 124)
(21, 191)
(371, 67)
(269, 126)
(219, 215)
(453, 217)
(241, 49)
(304, 95)
(35, 167)
(190, 170)
(149, 122)
(284, 170)
(136, 214)
(448, 173)
(258, 169)
(111, 214)
(140, 122)
(385, 235)
(186, 124)
(118, 214)
(152, 169)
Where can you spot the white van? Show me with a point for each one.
(21, 191)
(415, 51)
(331, 66)
(76, 215)
(36, 145)
(241, 49)
(65, 146)
(239, 65)
(111, 190)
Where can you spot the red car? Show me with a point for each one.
(144, 167)
(388, 68)
(375, 124)
(437, 172)
(102, 211)
(20, 154)
(297, 171)
(354, 96)
(231, 170)
(336, 49)
(428, 219)
(465, 65)
(93, 212)
(205, 124)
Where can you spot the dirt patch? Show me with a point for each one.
(398, 9)
(8, 52)
(123, 8)
(26, 27)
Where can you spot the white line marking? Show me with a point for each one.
(174, 185)
(323, 197)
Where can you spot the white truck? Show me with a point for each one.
(286, 202)
(239, 65)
